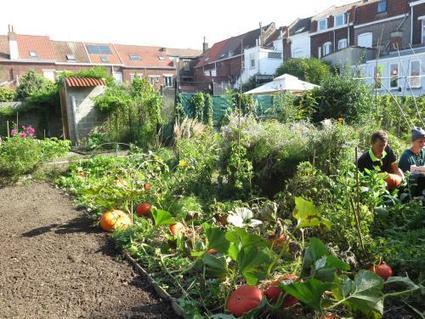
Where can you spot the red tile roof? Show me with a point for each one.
(83, 82)
(212, 54)
(41, 45)
(111, 58)
(4, 48)
(63, 49)
(148, 56)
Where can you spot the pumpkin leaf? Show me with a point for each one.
(315, 250)
(253, 262)
(309, 215)
(162, 217)
(309, 292)
(365, 293)
(326, 267)
(217, 239)
(216, 265)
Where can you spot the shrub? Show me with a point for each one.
(310, 70)
(7, 94)
(341, 97)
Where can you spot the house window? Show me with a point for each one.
(382, 6)
(342, 44)
(274, 55)
(33, 54)
(168, 81)
(323, 24)
(340, 20)
(104, 59)
(415, 74)
(153, 79)
(327, 48)
(423, 31)
(365, 40)
(252, 61)
(186, 66)
(394, 76)
(134, 57)
(98, 49)
(70, 58)
(378, 71)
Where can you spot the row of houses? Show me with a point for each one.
(160, 65)
(382, 41)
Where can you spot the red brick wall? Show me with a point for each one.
(368, 13)
(319, 39)
(418, 11)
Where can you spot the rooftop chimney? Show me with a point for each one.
(13, 43)
(204, 46)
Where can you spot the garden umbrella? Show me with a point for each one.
(282, 84)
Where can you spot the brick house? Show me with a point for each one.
(223, 63)
(22, 53)
(332, 30)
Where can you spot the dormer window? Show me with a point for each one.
(134, 57)
(382, 6)
(70, 57)
(323, 24)
(33, 54)
(340, 20)
(104, 59)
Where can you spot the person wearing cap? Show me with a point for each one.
(415, 156)
(381, 158)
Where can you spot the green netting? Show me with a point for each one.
(221, 103)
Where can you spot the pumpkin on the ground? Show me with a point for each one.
(382, 270)
(143, 209)
(273, 291)
(393, 181)
(111, 220)
(177, 229)
(243, 300)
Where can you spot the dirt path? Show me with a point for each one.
(53, 264)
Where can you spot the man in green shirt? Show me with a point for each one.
(415, 156)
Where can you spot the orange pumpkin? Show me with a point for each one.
(243, 300)
(177, 229)
(111, 220)
(393, 181)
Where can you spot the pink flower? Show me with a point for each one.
(14, 132)
(23, 134)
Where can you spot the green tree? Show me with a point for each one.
(310, 70)
(341, 97)
(30, 84)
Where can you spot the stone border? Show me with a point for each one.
(159, 290)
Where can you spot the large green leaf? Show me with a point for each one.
(308, 215)
(309, 292)
(253, 263)
(162, 217)
(216, 265)
(240, 235)
(217, 240)
(316, 249)
(326, 267)
(365, 293)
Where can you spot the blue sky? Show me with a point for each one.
(162, 22)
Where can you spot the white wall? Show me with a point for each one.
(264, 65)
(300, 45)
(366, 72)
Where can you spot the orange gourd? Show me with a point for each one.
(111, 220)
(393, 181)
(243, 300)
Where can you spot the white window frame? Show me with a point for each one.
(415, 77)
(319, 52)
(363, 35)
(343, 20)
(422, 31)
(325, 27)
(327, 48)
(340, 47)
(252, 64)
(168, 81)
(391, 75)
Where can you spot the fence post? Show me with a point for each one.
(8, 128)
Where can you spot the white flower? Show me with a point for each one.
(242, 217)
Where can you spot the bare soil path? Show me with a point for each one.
(54, 264)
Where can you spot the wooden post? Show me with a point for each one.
(8, 128)
(17, 121)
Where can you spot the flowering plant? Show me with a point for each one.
(26, 131)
